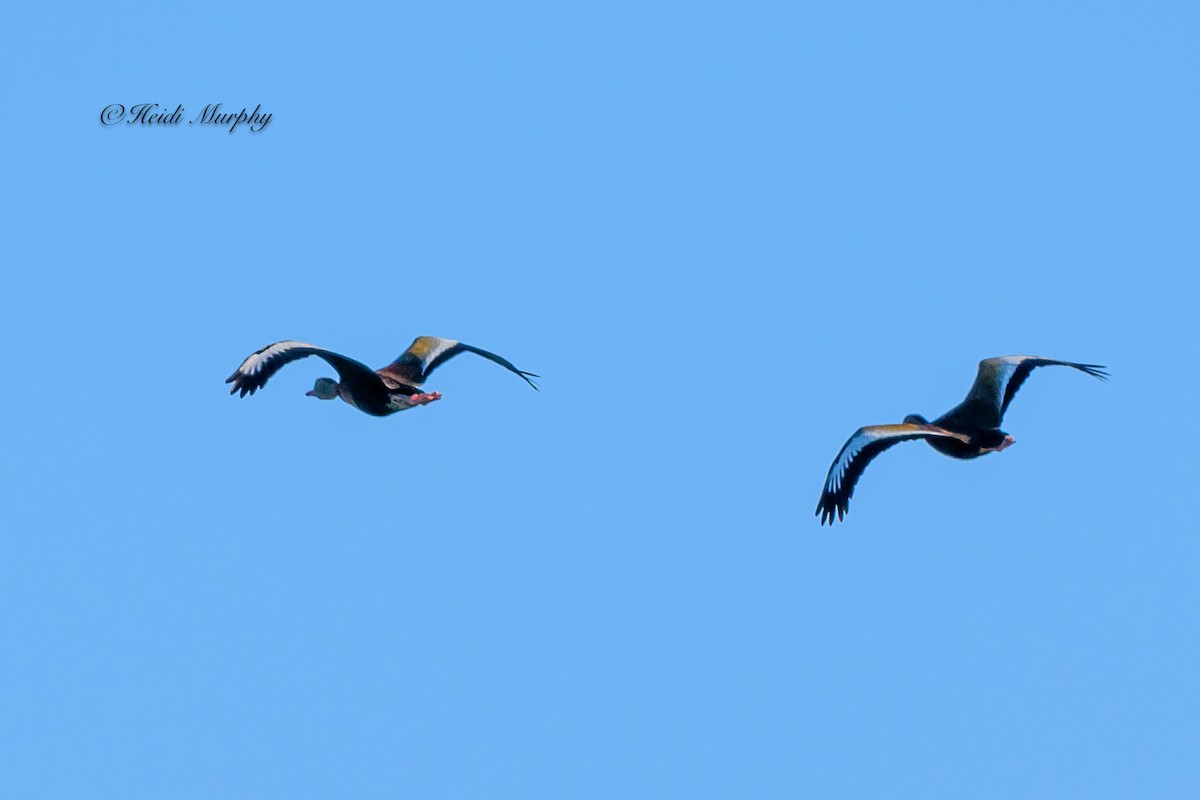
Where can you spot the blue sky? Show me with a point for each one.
(726, 236)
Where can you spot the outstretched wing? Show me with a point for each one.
(254, 372)
(427, 353)
(857, 452)
(998, 380)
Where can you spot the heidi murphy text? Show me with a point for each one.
(213, 114)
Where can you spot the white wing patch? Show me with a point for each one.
(442, 346)
(257, 361)
(873, 433)
(1008, 366)
(861, 438)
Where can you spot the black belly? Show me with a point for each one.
(372, 399)
(379, 411)
(981, 438)
(954, 448)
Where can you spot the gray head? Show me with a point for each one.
(324, 389)
(915, 419)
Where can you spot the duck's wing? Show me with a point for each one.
(427, 353)
(998, 380)
(257, 369)
(857, 452)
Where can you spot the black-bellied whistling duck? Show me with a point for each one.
(969, 430)
(394, 388)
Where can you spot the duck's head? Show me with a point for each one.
(324, 389)
(915, 419)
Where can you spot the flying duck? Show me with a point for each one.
(969, 430)
(396, 387)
